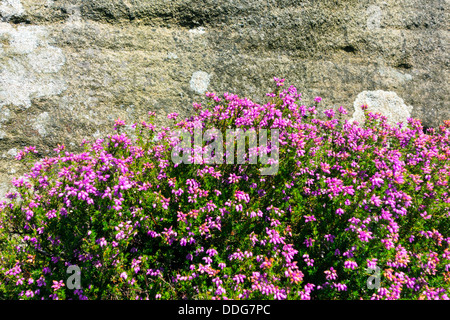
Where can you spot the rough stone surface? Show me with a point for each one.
(30, 65)
(69, 68)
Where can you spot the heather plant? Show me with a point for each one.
(352, 211)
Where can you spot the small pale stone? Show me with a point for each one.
(387, 103)
(41, 123)
(199, 30)
(12, 152)
(200, 81)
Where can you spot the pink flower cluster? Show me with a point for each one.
(345, 198)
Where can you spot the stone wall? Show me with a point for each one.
(69, 68)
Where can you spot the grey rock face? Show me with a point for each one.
(69, 68)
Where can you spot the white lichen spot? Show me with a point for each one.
(48, 60)
(172, 55)
(12, 153)
(25, 39)
(200, 81)
(374, 17)
(11, 8)
(29, 65)
(97, 135)
(387, 103)
(75, 16)
(199, 30)
(41, 123)
(396, 76)
(5, 114)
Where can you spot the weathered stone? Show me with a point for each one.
(69, 68)
(387, 103)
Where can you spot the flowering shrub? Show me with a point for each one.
(347, 200)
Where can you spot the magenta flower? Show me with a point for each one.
(274, 236)
(309, 262)
(239, 278)
(331, 274)
(325, 167)
(124, 275)
(342, 110)
(377, 180)
(29, 293)
(102, 242)
(340, 286)
(119, 123)
(279, 82)
(207, 260)
(365, 235)
(350, 264)
(220, 291)
(309, 242)
(375, 200)
(211, 252)
(280, 295)
(329, 113)
(372, 263)
(56, 285)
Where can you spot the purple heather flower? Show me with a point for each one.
(365, 235)
(239, 278)
(173, 115)
(211, 252)
(349, 264)
(309, 242)
(57, 284)
(329, 237)
(280, 295)
(102, 242)
(372, 263)
(375, 200)
(46, 270)
(331, 274)
(41, 282)
(207, 260)
(342, 110)
(340, 286)
(329, 113)
(278, 81)
(309, 262)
